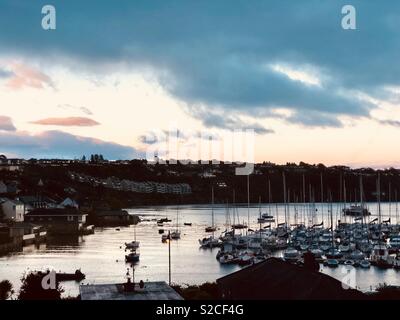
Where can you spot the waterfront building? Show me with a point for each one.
(59, 220)
(115, 218)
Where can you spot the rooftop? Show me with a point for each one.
(55, 212)
(277, 279)
(151, 291)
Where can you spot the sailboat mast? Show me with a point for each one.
(304, 200)
(248, 201)
(397, 206)
(284, 196)
(378, 193)
(212, 206)
(331, 209)
(322, 199)
(362, 200)
(390, 202)
(344, 198)
(259, 204)
(233, 206)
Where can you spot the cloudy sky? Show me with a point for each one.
(115, 73)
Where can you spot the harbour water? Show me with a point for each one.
(101, 255)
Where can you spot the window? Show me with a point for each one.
(70, 218)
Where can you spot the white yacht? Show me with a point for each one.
(291, 255)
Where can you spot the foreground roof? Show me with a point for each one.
(277, 279)
(152, 291)
(55, 212)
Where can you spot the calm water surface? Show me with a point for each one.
(101, 255)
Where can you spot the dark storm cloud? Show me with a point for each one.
(215, 52)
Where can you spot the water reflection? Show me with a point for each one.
(101, 255)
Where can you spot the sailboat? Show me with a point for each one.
(268, 217)
(332, 254)
(211, 241)
(380, 254)
(133, 244)
(175, 235)
(212, 228)
(291, 254)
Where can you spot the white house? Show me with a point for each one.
(13, 210)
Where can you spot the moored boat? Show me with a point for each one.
(365, 264)
(132, 245)
(132, 256)
(332, 263)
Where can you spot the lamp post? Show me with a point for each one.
(169, 257)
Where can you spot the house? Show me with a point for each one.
(32, 202)
(58, 220)
(115, 218)
(13, 210)
(275, 279)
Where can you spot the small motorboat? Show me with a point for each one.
(227, 259)
(325, 247)
(261, 220)
(304, 246)
(380, 256)
(77, 276)
(267, 217)
(209, 242)
(348, 263)
(357, 255)
(164, 237)
(189, 224)
(316, 252)
(132, 245)
(238, 226)
(175, 235)
(291, 255)
(211, 229)
(132, 257)
(333, 254)
(245, 259)
(344, 247)
(365, 264)
(332, 263)
(356, 211)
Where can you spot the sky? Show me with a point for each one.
(118, 78)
